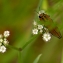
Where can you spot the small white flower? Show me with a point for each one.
(40, 26)
(41, 11)
(35, 31)
(1, 40)
(5, 42)
(34, 23)
(6, 33)
(2, 49)
(41, 31)
(46, 36)
(45, 29)
(1, 35)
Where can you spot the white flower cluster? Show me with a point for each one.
(40, 12)
(42, 30)
(4, 41)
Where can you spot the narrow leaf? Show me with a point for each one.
(37, 59)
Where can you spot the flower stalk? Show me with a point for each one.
(15, 48)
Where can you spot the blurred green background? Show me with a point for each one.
(17, 16)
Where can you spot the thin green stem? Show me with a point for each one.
(19, 56)
(31, 40)
(19, 52)
(15, 48)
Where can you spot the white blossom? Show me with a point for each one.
(41, 31)
(1, 40)
(46, 37)
(45, 29)
(6, 33)
(40, 27)
(41, 11)
(34, 23)
(2, 49)
(5, 42)
(35, 31)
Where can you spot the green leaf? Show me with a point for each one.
(37, 59)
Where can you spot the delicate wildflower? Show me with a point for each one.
(40, 26)
(2, 49)
(5, 42)
(45, 29)
(34, 23)
(41, 31)
(40, 12)
(6, 33)
(46, 36)
(1, 40)
(35, 31)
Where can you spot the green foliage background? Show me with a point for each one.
(17, 17)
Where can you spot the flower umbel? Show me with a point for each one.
(42, 30)
(3, 41)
